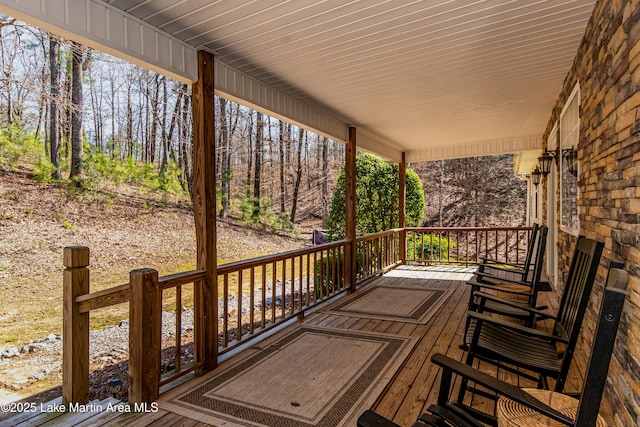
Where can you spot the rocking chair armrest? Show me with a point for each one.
(515, 327)
(498, 288)
(489, 263)
(480, 276)
(537, 311)
(500, 387)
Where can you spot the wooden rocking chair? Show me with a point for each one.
(445, 413)
(490, 268)
(528, 291)
(515, 347)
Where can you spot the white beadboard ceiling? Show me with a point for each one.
(431, 78)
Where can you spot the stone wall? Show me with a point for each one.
(607, 68)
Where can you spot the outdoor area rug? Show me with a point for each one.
(312, 376)
(398, 303)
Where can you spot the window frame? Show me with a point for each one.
(569, 222)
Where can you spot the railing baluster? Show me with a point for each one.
(283, 285)
(239, 304)
(274, 280)
(225, 311)
(252, 300)
(307, 299)
(178, 355)
(264, 296)
(293, 285)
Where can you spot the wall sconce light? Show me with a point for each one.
(569, 154)
(536, 175)
(545, 161)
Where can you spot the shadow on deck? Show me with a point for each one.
(413, 382)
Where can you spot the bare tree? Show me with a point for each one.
(325, 176)
(257, 176)
(77, 52)
(281, 142)
(226, 159)
(53, 107)
(296, 188)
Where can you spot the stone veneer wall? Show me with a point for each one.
(607, 67)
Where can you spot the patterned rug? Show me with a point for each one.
(312, 376)
(397, 303)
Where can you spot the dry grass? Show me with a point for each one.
(123, 228)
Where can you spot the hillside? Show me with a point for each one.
(124, 228)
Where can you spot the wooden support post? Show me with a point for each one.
(204, 207)
(75, 335)
(145, 335)
(350, 211)
(402, 215)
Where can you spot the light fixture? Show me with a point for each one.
(570, 155)
(536, 175)
(545, 161)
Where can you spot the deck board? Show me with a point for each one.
(415, 384)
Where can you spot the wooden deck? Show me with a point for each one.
(415, 384)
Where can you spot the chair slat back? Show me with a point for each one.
(531, 249)
(575, 298)
(602, 347)
(537, 269)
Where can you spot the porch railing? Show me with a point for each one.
(466, 245)
(376, 253)
(254, 296)
(260, 293)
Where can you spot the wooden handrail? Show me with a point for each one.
(120, 294)
(466, 229)
(376, 235)
(267, 259)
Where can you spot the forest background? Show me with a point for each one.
(97, 151)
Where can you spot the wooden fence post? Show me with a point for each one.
(75, 336)
(145, 335)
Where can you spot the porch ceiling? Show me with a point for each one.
(434, 79)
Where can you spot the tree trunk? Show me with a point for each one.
(76, 111)
(298, 176)
(153, 132)
(112, 85)
(166, 142)
(53, 107)
(257, 176)
(226, 159)
(172, 125)
(129, 128)
(249, 154)
(187, 172)
(325, 177)
(282, 164)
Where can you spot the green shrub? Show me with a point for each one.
(43, 170)
(429, 247)
(18, 146)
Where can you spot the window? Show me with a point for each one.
(569, 136)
